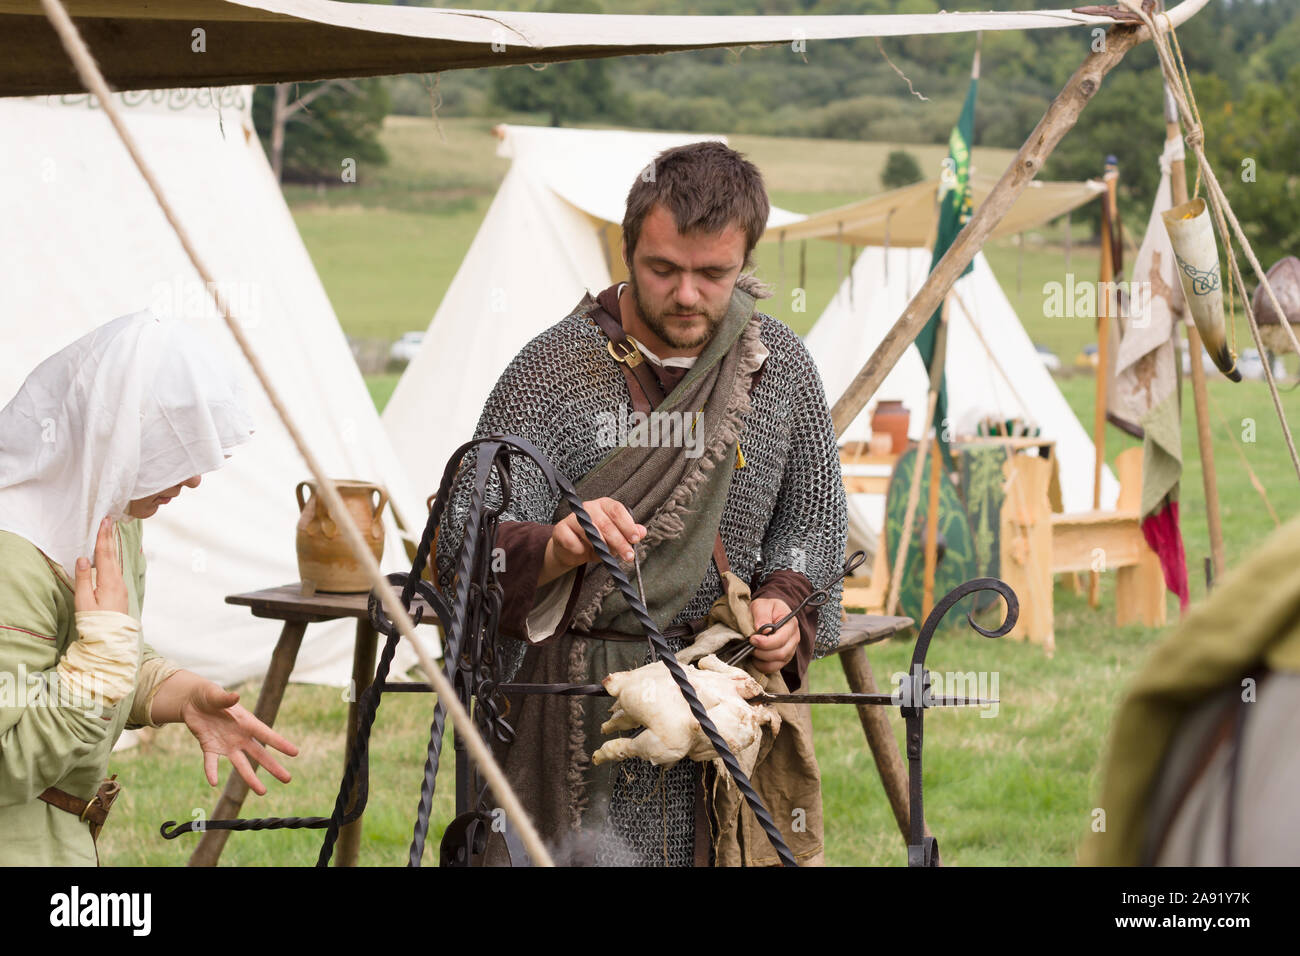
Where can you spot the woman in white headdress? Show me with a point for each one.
(100, 436)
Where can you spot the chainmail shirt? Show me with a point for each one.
(785, 509)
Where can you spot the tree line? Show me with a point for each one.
(1240, 55)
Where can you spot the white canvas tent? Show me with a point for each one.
(84, 242)
(992, 369)
(551, 233)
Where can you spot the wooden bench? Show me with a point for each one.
(1037, 544)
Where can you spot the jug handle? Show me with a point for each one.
(302, 502)
(383, 500)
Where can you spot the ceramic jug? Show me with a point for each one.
(325, 561)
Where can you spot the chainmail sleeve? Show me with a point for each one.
(536, 398)
(531, 498)
(808, 531)
(550, 395)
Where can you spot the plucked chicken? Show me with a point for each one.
(648, 697)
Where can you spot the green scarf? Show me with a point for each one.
(678, 497)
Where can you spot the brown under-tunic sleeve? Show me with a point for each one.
(524, 544)
(792, 587)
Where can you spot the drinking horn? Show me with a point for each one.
(1192, 236)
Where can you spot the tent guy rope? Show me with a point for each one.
(1195, 137)
(95, 83)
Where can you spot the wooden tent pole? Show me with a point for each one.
(1200, 393)
(1103, 358)
(857, 670)
(922, 451)
(880, 738)
(937, 362)
(931, 529)
(909, 515)
(1055, 123)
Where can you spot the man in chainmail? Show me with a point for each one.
(753, 462)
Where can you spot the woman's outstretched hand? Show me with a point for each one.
(214, 716)
(224, 728)
(108, 593)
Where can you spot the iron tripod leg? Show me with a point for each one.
(922, 850)
(465, 841)
(465, 838)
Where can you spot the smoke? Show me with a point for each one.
(595, 844)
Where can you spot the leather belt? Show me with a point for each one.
(94, 811)
(676, 631)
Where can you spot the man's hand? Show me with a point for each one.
(773, 651)
(108, 593)
(224, 728)
(569, 547)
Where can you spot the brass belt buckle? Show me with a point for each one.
(104, 796)
(627, 354)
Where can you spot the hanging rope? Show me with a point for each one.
(1250, 472)
(1181, 90)
(94, 82)
(888, 216)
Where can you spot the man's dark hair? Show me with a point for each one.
(706, 187)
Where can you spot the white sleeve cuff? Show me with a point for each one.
(106, 657)
(548, 607)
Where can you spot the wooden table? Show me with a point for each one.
(297, 610)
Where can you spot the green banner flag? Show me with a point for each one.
(954, 212)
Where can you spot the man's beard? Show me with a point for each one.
(657, 323)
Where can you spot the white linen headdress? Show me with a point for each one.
(128, 410)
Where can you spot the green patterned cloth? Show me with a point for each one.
(983, 491)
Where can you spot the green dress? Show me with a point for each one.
(48, 744)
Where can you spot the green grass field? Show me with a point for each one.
(1015, 788)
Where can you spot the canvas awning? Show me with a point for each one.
(150, 44)
(907, 216)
